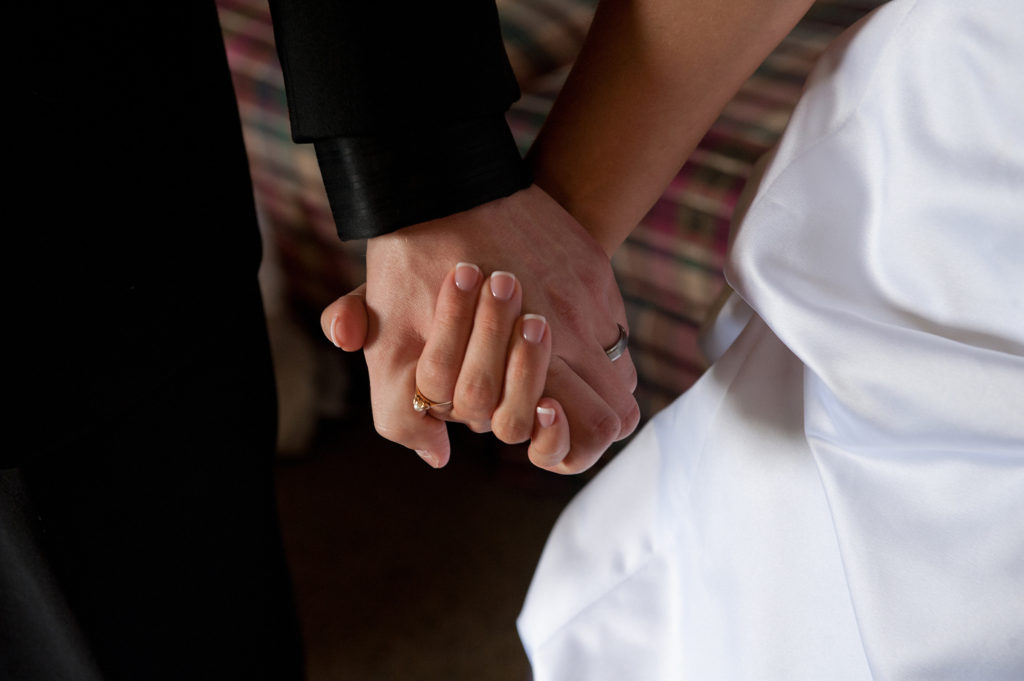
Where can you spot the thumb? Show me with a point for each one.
(344, 322)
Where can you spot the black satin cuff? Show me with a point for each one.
(382, 183)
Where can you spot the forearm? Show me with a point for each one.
(651, 79)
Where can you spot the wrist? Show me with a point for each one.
(585, 211)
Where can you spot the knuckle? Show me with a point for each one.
(602, 431)
(477, 397)
(630, 421)
(493, 327)
(479, 427)
(549, 461)
(568, 311)
(454, 308)
(577, 462)
(564, 467)
(453, 321)
(439, 363)
(521, 374)
(392, 432)
(511, 429)
(558, 371)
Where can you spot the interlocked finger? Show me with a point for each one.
(550, 440)
(593, 423)
(615, 379)
(525, 374)
(479, 387)
(437, 370)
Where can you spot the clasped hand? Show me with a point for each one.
(427, 319)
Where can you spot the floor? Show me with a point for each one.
(405, 572)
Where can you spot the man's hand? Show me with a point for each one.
(565, 276)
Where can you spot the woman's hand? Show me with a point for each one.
(483, 364)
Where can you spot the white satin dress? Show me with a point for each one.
(841, 496)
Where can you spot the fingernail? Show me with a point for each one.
(334, 336)
(533, 327)
(467, 275)
(545, 416)
(428, 457)
(503, 285)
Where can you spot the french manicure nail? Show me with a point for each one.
(545, 416)
(428, 457)
(334, 335)
(503, 285)
(533, 327)
(467, 275)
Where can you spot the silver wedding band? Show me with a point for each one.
(619, 348)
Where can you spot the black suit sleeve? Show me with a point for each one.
(405, 103)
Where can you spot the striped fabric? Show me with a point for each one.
(542, 36)
(670, 269)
